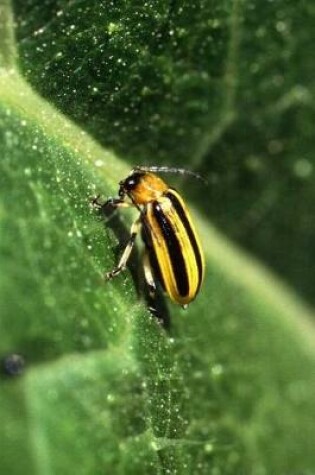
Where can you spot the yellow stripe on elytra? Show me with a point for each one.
(179, 198)
(163, 256)
(189, 254)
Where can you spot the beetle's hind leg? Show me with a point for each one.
(127, 251)
(156, 303)
(148, 275)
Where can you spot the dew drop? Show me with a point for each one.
(303, 168)
(217, 369)
(208, 448)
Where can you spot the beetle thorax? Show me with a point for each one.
(148, 187)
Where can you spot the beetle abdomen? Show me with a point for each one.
(177, 252)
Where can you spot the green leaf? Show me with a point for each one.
(228, 389)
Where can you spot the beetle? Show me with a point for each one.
(173, 254)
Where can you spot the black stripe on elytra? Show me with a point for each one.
(147, 239)
(174, 250)
(182, 215)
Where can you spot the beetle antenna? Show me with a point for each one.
(165, 169)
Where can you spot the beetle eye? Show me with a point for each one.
(133, 181)
(128, 185)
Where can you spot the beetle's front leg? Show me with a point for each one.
(109, 203)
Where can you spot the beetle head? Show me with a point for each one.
(127, 186)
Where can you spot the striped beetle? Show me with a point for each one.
(173, 254)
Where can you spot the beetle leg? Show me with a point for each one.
(156, 305)
(126, 254)
(148, 275)
(111, 202)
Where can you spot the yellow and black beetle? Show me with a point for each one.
(173, 254)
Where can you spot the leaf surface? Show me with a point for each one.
(228, 389)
